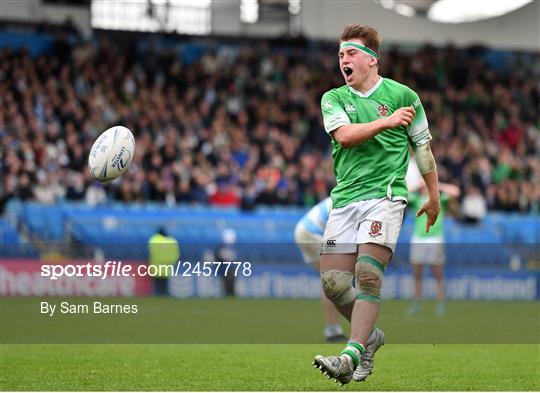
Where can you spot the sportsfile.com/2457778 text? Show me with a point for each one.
(122, 269)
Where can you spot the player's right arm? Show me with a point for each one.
(355, 134)
(338, 125)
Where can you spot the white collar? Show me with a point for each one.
(370, 91)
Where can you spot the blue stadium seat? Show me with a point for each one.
(8, 234)
(264, 236)
(11, 245)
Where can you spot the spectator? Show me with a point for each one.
(242, 127)
(473, 206)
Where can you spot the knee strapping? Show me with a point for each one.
(338, 287)
(369, 274)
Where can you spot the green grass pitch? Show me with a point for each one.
(280, 361)
(267, 367)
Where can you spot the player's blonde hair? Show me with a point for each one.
(370, 36)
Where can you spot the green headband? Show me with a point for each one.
(363, 48)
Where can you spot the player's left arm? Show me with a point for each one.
(432, 206)
(419, 138)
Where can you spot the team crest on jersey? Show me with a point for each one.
(375, 229)
(350, 108)
(383, 110)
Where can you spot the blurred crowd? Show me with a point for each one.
(240, 125)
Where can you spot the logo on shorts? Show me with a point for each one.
(375, 229)
(383, 110)
(331, 243)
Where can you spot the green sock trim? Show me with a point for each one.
(358, 346)
(352, 355)
(371, 261)
(368, 298)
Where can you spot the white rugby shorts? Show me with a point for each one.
(371, 221)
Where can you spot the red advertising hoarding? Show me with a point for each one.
(22, 277)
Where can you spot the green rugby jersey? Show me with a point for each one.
(377, 167)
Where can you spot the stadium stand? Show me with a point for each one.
(238, 124)
(230, 135)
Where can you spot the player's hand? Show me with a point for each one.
(402, 117)
(431, 207)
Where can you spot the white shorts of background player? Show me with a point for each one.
(427, 251)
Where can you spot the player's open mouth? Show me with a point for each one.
(347, 71)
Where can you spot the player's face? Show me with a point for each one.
(354, 64)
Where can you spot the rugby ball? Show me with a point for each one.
(111, 154)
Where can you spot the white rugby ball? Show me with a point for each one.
(111, 154)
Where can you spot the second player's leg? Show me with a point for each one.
(418, 271)
(438, 273)
(369, 270)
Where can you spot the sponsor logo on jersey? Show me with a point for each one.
(331, 243)
(383, 110)
(327, 105)
(350, 108)
(375, 229)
